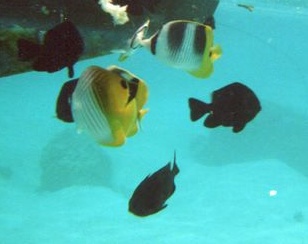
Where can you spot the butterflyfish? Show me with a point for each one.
(233, 106)
(108, 104)
(61, 47)
(181, 44)
(151, 194)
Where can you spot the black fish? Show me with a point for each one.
(64, 100)
(151, 194)
(62, 46)
(210, 21)
(233, 105)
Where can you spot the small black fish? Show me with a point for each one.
(233, 105)
(62, 47)
(151, 194)
(64, 100)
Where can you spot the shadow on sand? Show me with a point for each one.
(68, 160)
(276, 133)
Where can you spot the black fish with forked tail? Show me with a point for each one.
(233, 105)
(151, 194)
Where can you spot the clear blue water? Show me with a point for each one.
(57, 186)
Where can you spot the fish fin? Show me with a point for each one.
(64, 100)
(70, 71)
(211, 122)
(136, 41)
(215, 52)
(198, 108)
(27, 50)
(124, 56)
(175, 168)
(141, 113)
(238, 127)
(162, 207)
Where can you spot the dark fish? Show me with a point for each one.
(62, 47)
(233, 105)
(64, 101)
(210, 21)
(151, 194)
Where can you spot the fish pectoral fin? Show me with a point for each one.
(162, 207)
(124, 56)
(197, 108)
(211, 122)
(215, 52)
(238, 127)
(70, 71)
(141, 113)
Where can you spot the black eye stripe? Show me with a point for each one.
(124, 84)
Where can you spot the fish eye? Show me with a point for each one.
(124, 84)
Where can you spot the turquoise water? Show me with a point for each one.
(57, 186)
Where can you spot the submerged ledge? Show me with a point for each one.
(30, 18)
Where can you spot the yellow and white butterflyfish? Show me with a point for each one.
(108, 104)
(181, 44)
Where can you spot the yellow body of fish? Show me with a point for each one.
(108, 110)
(211, 53)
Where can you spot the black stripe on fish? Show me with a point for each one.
(176, 36)
(200, 39)
(133, 88)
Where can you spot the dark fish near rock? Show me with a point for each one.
(233, 105)
(151, 194)
(61, 47)
(64, 101)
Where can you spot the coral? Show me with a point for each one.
(137, 7)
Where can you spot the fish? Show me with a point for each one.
(64, 101)
(151, 194)
(108, 104)
(250, 8)
(62, 46)
(232, 106)
(182, 44)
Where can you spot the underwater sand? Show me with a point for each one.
(57, 186)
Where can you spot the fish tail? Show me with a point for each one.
(175, 168)
(136, 41)
(63, 108)
(139, 36)
(198, 108)
(27, 50)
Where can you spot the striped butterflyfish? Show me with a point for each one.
(181, 44)
(107, 104)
